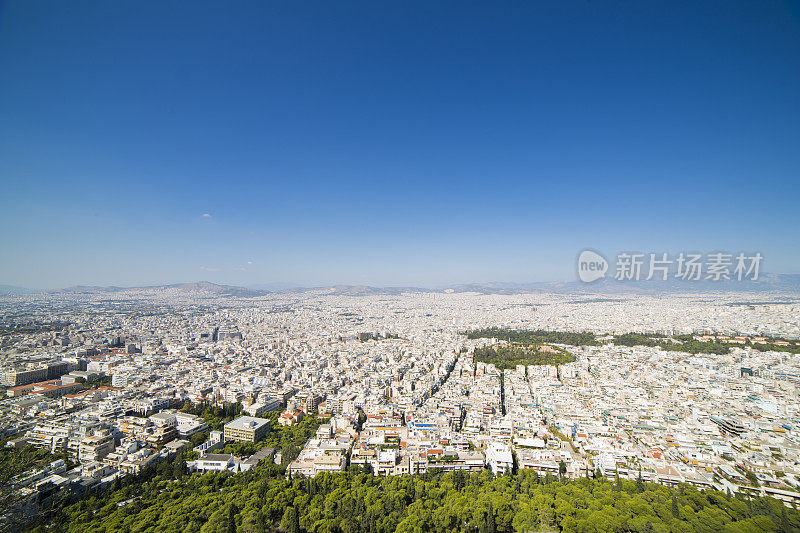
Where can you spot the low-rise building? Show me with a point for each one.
(246, 429)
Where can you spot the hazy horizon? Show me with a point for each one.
(765, 278)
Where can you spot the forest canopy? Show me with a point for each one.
(679, 343)
(538, 336)
(508, 356)
(263, 500)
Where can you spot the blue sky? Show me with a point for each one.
(409, 143)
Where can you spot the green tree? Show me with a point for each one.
(290, 521)
(264, 500)
(232, 512)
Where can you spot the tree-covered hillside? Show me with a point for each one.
(509, 356)
(263, 500)
(538, 336)
(686, 343)
(681, 343)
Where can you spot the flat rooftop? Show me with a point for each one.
(249, 423)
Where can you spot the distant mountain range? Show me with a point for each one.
(13, 289)
(789, 283)
(780, 283)
(205, 287)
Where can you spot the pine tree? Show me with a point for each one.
(295, 523)
(675, 510)
(488, 525)
(291, 520)
(179, 468)
(232, 510)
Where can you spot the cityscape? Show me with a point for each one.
(111, 383)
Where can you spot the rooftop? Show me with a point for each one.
(247, 423)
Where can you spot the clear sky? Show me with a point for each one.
(405, 144)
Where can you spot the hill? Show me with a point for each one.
(264, 500)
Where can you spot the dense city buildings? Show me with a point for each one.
(112, 383)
